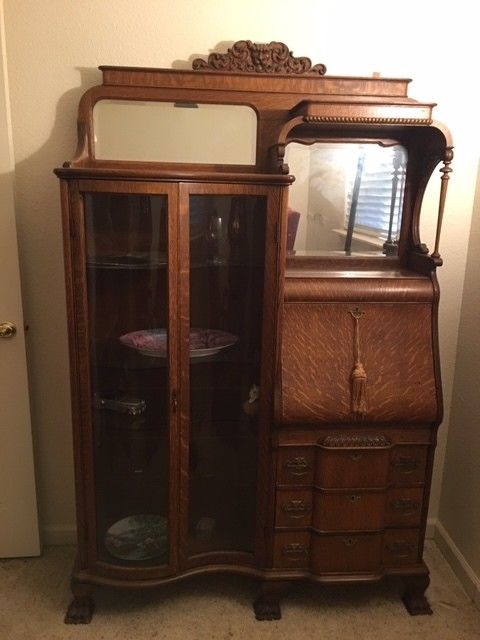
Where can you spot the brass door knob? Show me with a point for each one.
(7, 330)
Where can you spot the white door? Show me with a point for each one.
(18, 505)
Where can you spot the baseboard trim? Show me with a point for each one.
(58, 535)
(464, 572)
(431, 527)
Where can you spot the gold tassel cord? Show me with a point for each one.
(358, 376)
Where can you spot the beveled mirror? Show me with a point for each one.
(347, 198)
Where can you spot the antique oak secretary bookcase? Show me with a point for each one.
(253, 326)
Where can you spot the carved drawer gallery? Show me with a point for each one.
(253, 326)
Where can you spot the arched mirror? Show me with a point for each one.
(347, 198)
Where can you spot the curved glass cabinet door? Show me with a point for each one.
(126, 266)
(227, 254)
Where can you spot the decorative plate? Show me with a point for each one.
(139, 537)
(203, 342)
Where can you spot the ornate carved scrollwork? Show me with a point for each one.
(357, 441)
(251, 57)
(367, 120)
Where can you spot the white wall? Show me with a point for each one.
(53, 49)
(459, 517)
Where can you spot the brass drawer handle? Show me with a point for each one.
(296, 509)
(350, 542)
(7, 330)
(401, 549)
(294, 550)
(354, 497)
(405, 505)
(406, 464)
(297, 466)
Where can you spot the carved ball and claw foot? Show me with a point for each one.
(82, 606)
(414, 596)
(267, 605)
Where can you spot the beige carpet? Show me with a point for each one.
(34, 594)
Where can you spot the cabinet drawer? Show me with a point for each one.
(291, 550)
(408, 464)
(400, 547)
(295, 465)
(352, 468)
(347, 553)
(293, 508)
(349, 511)
(404, 507)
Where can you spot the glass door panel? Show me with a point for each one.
(126, 253)
(227, 247)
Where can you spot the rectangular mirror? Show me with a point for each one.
(175, 132)
(347, 198)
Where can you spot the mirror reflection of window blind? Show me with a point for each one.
(380, 197)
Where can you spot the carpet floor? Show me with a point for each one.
(34, 594)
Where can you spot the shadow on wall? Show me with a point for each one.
(220, 47)
(40, 246)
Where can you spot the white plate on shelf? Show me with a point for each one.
(203, 342)
(137, 537)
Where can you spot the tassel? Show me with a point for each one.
(359, 390)
(359, 376)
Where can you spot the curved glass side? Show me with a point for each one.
(127, 307)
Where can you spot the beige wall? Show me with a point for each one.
(460, 501)
(53, 49)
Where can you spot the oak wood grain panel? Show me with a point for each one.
(277, 84)
(396, 350)
(349, 510)
(352, 468)
(358, 289)
(346, 553)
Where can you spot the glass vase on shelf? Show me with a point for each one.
(237, 230)
(214, 237)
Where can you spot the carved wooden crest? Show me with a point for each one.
(250, 57)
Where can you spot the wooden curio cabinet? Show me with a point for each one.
(252, 325)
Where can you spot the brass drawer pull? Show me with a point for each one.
(405, 505)
(297, 466)
(354, 497)
(294, 550)
(350, 542)
(401, 549)
(406, 464)
(296, 509)
(7, 330)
